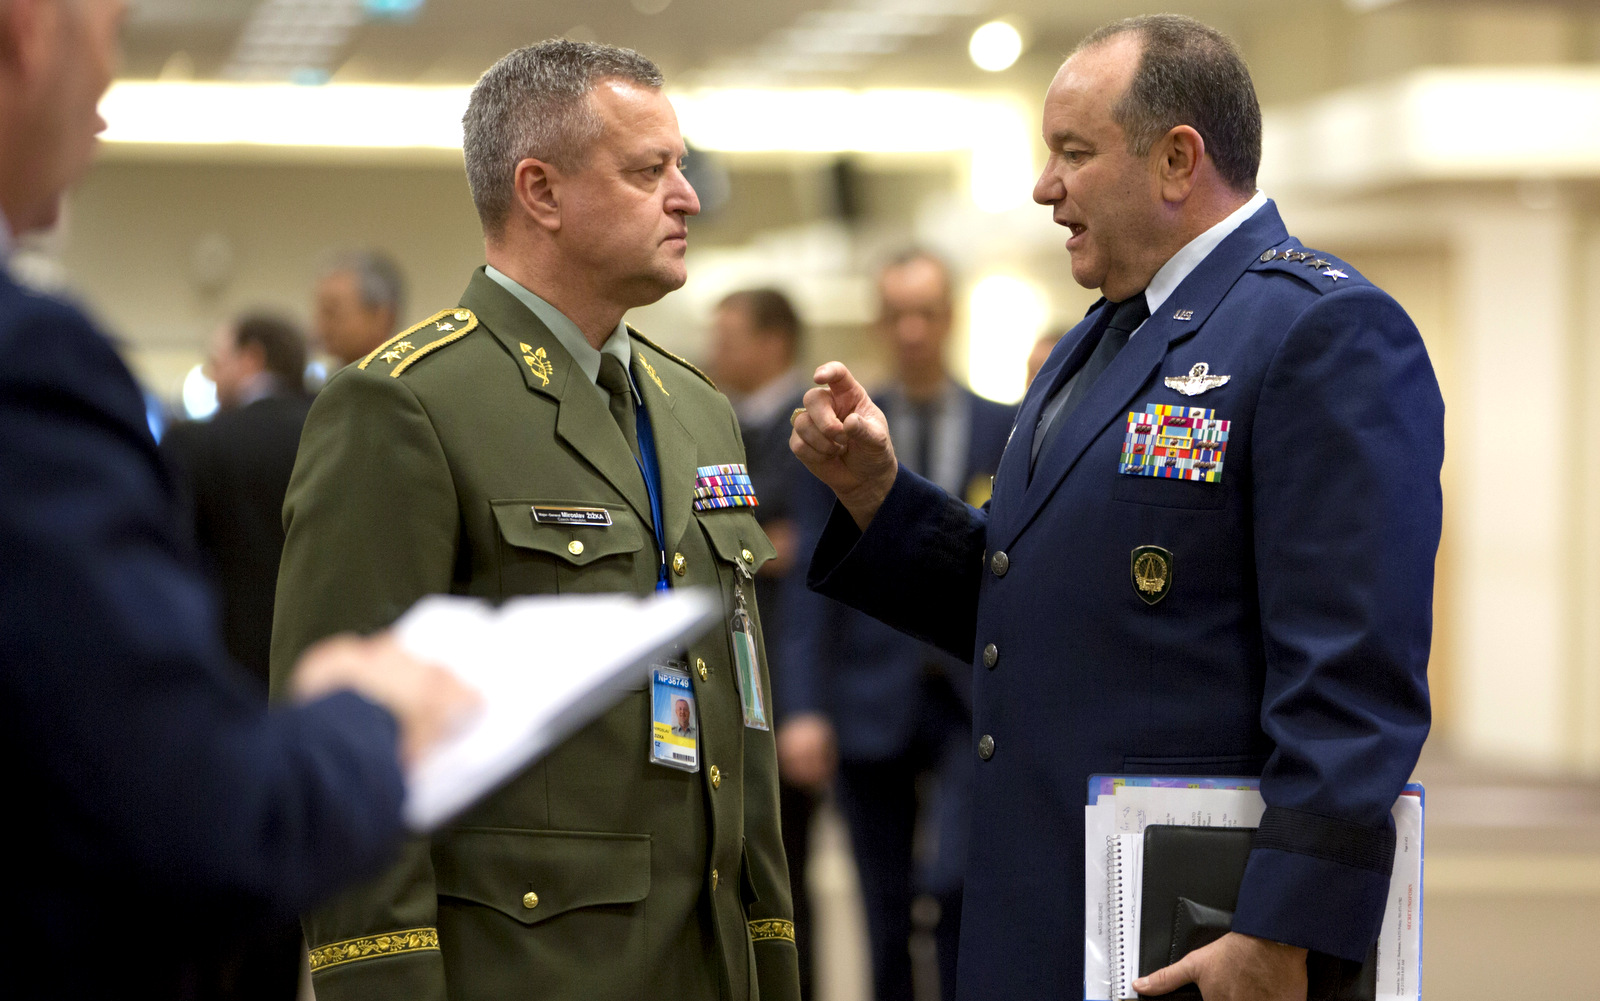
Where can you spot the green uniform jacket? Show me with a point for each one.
(594, 874)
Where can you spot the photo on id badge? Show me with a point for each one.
(674, 724)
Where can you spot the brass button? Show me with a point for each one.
(700, 666)
(986, 747)
(575, 547)
(530, 900)
(462, 314)
(1267, 255)
(747, 556)
(716, 777)
(680, 566)
(713, 879)
(991, 655)
(999, 563)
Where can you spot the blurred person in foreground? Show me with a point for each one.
(900, 707)
(527, 441)
(145, 775)
(755, 341)
(360, 297)
(234, 470)
(1256, 602)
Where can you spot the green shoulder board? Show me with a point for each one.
(677, 358)
(403, 349)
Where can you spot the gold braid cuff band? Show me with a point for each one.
(772, 930)
(393, 944)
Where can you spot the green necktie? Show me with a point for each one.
(614, 380)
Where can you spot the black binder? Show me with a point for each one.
(1190, 890)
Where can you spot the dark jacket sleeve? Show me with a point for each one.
(1347, 524)
(917, 566)
(132, 731)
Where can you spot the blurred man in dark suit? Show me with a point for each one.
(236, 469)
(160, 813)
(359, 301)
(901, 708)
(755, 341)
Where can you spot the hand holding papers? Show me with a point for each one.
(544, 667)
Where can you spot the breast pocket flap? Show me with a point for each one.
(532, 876)
(575, 531)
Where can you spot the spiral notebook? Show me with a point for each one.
(1122, 809)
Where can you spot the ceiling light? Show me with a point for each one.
(995, 46)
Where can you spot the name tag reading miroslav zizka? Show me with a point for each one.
(597, 517)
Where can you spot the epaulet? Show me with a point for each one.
(686, 363)
(402, 350)
(1322, 272)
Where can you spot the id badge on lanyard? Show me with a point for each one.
(674, 723)
(747, 666)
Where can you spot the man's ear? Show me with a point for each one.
(1178, 156)
(536, 186)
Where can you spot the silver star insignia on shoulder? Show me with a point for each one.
(1335, 274)
(1198, 381)
(442, 325)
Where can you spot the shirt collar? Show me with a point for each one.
(567, 333)
(763, 405)
(1186, 260)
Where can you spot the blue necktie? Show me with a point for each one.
(1125, 319)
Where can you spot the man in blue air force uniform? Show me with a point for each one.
(1210, 547)
(171, 821)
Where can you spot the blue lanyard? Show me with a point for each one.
(651, 468)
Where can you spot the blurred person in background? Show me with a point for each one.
(901, 708)
(146, 776)
(1257, 601)
(755, 341)
(360, 298)
(1041, 353)
(528, 441)
(234, 469)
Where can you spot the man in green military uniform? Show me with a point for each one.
(528, 442)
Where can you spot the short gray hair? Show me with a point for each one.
(377, 276)
(1189, 74)
(534, 103)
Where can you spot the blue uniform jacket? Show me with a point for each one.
(864, 675)
(1293, 640)
(160, 811)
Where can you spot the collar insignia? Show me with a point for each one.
(650, 370)
(1197, 381)
(539, 362)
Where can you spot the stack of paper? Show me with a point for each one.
(1123, 806)
(544, 667)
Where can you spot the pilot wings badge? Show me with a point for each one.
(1197, 381)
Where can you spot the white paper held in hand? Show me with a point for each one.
(544, 666)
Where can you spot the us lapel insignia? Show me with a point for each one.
(650, 370)
(538, 362)
(1197, 381)
(1183, 314)
(1152, 573)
